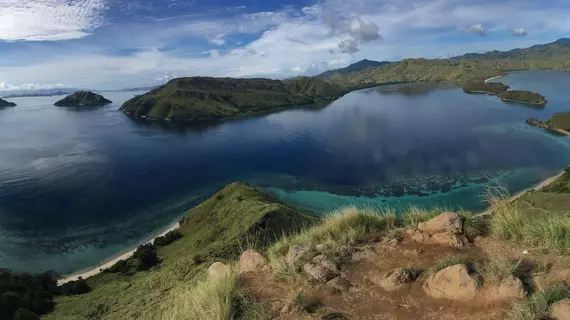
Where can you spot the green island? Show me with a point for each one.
(206, 99)
(4, 103)
(198, 99)
(559, 122)
(243, 254)
(83, 99)
(504, 92)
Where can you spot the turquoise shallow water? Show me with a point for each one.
(77, 187)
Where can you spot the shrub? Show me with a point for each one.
(168, 238)
(79, 286)
(496, 270)
(146, 257)
(25, 314)
(120, 266)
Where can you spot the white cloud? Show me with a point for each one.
(291, 42)
(218, 39)
(477, 29)
(49, 19)
(349, 46)
(519, 32)
(29, 86)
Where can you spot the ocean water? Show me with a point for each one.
(80, 186)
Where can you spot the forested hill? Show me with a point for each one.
(559, 48)
(205, 98)
(355, 67)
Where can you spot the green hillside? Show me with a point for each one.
(207, 99)
(82, 99)
(355, 67)
(559, 48)
(238, 216)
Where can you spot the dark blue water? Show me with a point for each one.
(77, 187)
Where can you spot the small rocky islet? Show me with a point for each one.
(83, 99)
(4, 103)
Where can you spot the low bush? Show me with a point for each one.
(121, 266)
(79, 286)
(168, 238)
(145, 257)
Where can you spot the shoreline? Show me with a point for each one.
(93, 271)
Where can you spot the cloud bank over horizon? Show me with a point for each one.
(111, 44)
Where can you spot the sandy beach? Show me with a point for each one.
(492, 78)
(98, 269)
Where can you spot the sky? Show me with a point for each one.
(113, 44)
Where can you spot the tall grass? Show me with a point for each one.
(510, 221)
(536, 307)
(543, 230)
(496, 270)
(210, 299)
(343, 227)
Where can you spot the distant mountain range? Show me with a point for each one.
(355, 67)
(37, 93)
(559, 47)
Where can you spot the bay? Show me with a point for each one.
(80, 186)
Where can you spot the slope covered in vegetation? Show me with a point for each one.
(236, 217)
(355, 67)
(83, 99)
(206, 99)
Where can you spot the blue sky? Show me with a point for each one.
(110, 44)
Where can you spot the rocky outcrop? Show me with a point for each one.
(449, 239)
(4, 103)
(446, 230)
(294, 256)
(218, 271)
(445, 222)
(395, 279)
(560, 310)
(250, 261)
(83, 99)
(321, 269)
(454, 282)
